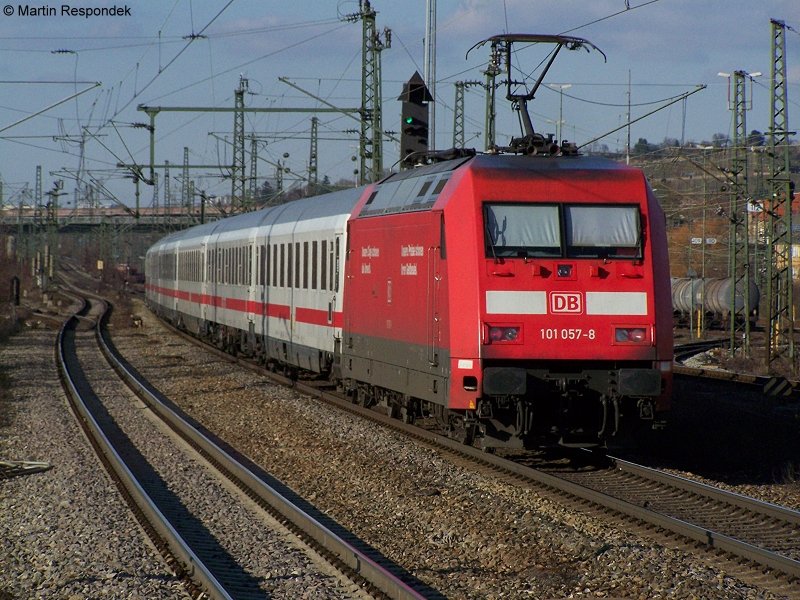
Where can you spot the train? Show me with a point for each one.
(520, 298)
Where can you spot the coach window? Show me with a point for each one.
(602, 231)
(283, 265)
(297, 264)
(330, 265)
(314, 257)
(289, 264)
(274, 265)
(262, 267)
(248, 264)
(248, 278)
(323, 284)
(305, 265)
(521, 230)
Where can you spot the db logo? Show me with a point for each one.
(566, 302)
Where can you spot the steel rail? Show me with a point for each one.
(354, 558)
(690, 531)
(177, 545)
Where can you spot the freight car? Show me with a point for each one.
(713, 297)
(521, 298)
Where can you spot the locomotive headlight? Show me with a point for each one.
(498, 335)
(630, 335)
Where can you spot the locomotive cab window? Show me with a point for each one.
(522, 230)
(602, 231)
(517, 230)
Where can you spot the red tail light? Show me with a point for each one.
(631, 335)
(499, 335)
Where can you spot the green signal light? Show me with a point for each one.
(409, 120)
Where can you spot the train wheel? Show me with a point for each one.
(461, 431)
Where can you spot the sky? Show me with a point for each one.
(70, 84)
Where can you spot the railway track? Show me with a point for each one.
(775, 387)
(763, 537)
(190, 539)
(686, 351)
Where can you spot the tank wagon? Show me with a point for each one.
(712, 296)
(521, 298)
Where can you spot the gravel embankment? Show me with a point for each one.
(273, 561)
(463, 532)
(66, 534)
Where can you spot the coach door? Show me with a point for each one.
(204, 281)
(433, 278)
(336, 273)
(250, 273)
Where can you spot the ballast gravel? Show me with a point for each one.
(66, 532)
(465, 533)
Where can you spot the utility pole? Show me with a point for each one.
(38, 191)
(780, 330)
(739, 243)
(429, 71)
(253, 169)
(458, 112)
(313, 156)
(458, 115)
(48, 264)
(371, 142)
(156, 201)
(38, 204)
(186, 200)
(371, 137)
(491, 72)
(238, 176)
(167, 190)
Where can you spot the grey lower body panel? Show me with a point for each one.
(409, 369)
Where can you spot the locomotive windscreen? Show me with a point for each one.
(535, 230)
(522, 230)
(602, 231)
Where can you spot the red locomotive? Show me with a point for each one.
(520, 298)
(523, 299)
